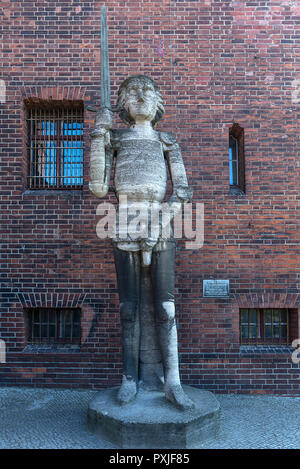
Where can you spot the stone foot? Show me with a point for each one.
(176, 395)
(127, 391)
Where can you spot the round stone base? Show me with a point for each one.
(150, 421)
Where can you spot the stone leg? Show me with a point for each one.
(128, 277)
(150, 366)
(163, 290)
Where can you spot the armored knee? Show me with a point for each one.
(165, 311)
(128, 311)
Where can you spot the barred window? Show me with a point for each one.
(53, 325)
(267, 326)
(55, 144)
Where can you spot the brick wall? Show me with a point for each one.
(217, 63)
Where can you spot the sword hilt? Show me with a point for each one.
(95, 109)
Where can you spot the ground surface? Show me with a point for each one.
(55, 418)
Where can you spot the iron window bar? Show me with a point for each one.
(53, 325)
(269, 326)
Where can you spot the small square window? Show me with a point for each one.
(53, 325)
(55, 145)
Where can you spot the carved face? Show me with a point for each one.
(140, 100)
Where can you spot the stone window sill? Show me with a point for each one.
(265, 349)
(236, 191)
(53, 192)
(52, 348)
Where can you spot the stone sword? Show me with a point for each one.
(105, 77)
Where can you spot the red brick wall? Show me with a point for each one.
(217, 62)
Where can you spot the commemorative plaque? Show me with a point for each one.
(216, 288)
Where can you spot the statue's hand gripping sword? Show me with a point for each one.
(100, 156)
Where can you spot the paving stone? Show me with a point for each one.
(57, 418)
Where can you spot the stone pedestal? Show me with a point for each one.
(150, 421)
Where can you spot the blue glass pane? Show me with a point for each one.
(71, 153)
(48, 128)
(73, 162)
(50, 164)
(233, 162)
(72, 128)
(232, 172)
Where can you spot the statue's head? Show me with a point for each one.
(140, 99)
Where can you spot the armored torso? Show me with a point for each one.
(140, 175)
(140, 171)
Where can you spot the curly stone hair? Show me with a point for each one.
(121, 99)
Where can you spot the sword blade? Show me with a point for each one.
(105, 80)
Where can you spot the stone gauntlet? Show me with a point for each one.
(100, 140)
(184, 193)
(181, 194)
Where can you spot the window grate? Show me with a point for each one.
(265, 326)
(55, 147)
(53, 325)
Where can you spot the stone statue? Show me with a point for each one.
(144, 264)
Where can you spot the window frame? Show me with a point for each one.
(260, 323)
(54, 144)
(59, 325)
(233, 160)
(237, 133)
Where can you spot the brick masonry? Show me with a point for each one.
(217, 63)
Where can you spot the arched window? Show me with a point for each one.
(236, 158)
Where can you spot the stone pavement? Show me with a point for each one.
(56, 418)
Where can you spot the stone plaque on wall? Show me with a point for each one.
(216, 288)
